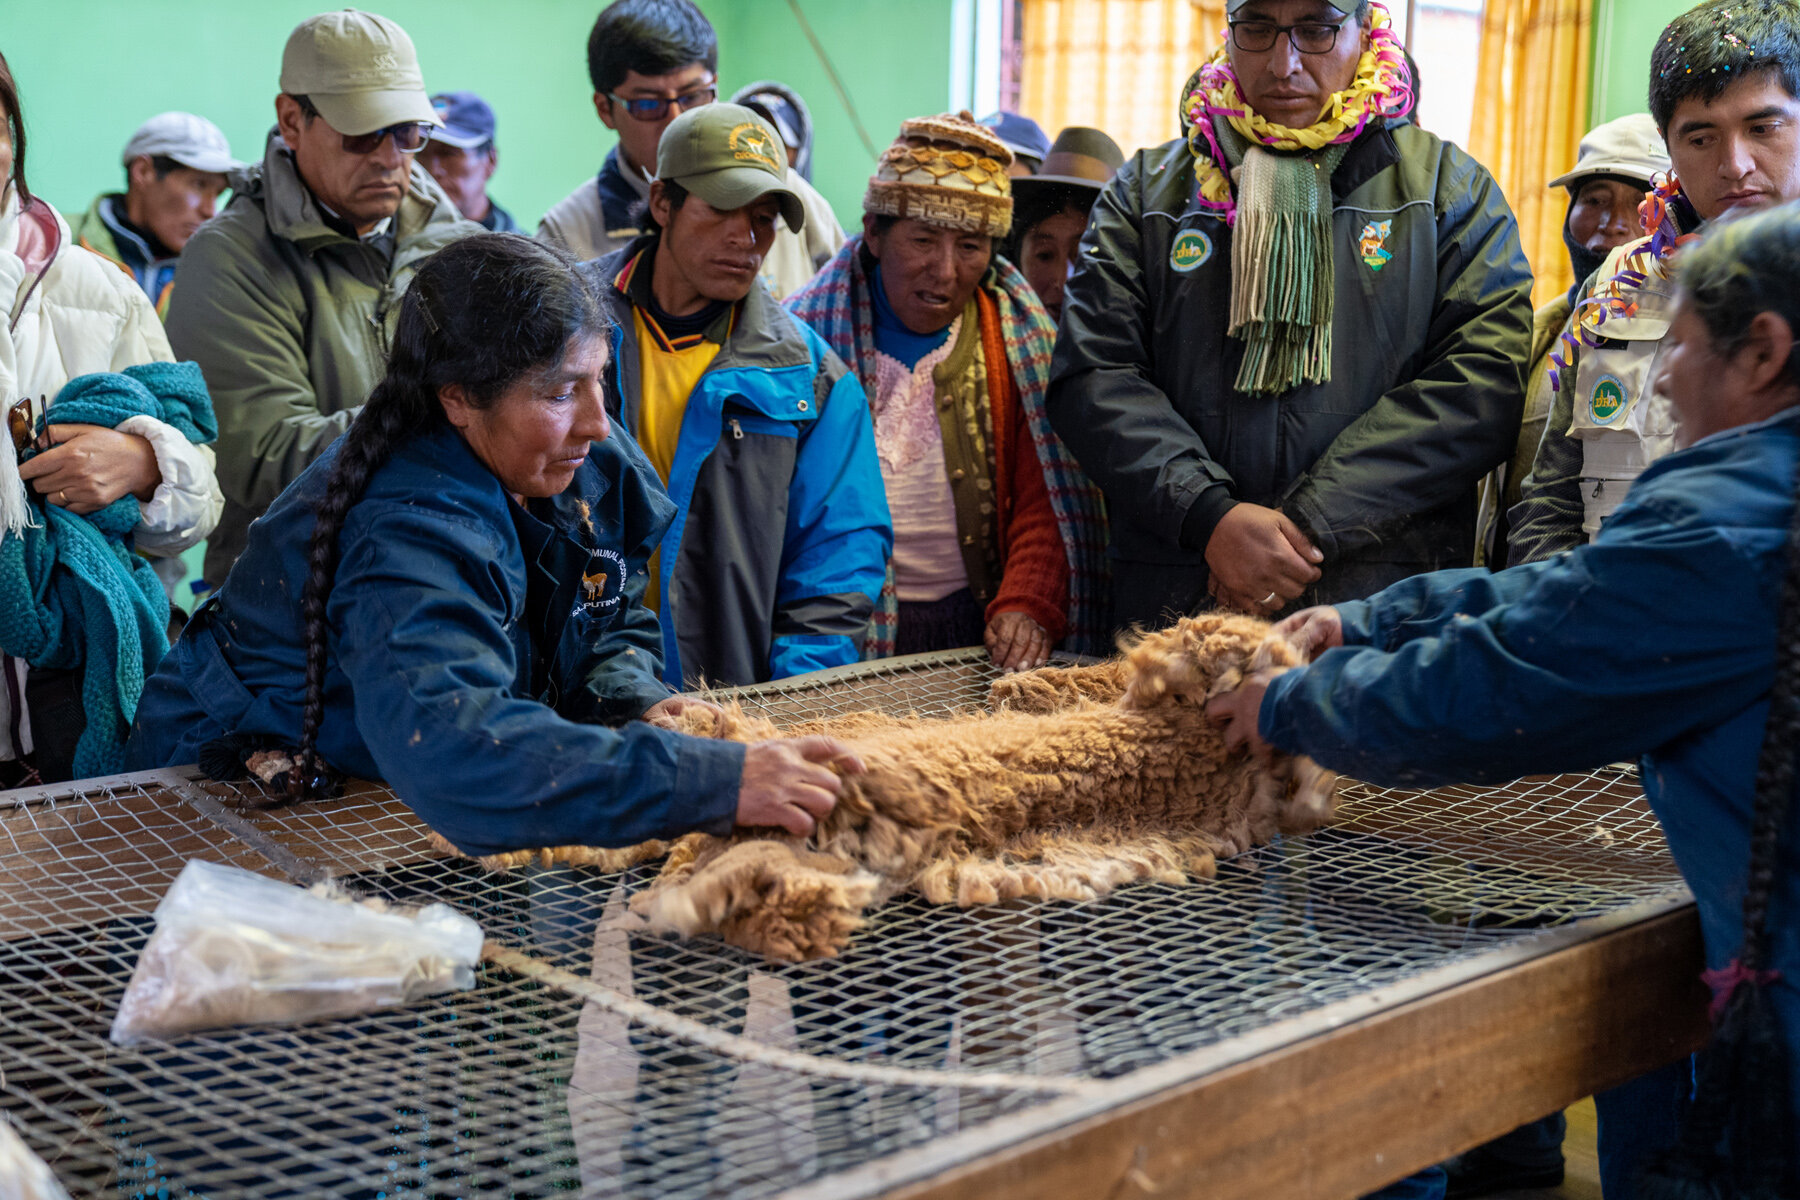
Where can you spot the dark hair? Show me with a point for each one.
(1743, 268)
(677, 197)
(307, 111)
(1742, 1099)
(483, 312)
(9, 100)
(1713, 45)
(1038, 204)
(162, 164)
(651, 37)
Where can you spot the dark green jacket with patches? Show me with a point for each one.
(1379, 466)
(289, 320)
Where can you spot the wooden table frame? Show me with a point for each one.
(1345, 1099)
(1327, 1105)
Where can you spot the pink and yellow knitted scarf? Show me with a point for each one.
(1382, 88)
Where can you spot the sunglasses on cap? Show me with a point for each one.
(409, 138)
(652, 108)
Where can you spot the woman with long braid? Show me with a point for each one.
(450, 598)
(1674, 637)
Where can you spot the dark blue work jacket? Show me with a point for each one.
(1655, 642)
(478, 652)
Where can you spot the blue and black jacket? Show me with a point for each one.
(781, 534)
(1656, 642)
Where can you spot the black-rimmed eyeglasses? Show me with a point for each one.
(1308, 37)
(652, 108)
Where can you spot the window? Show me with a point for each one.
(1119, 65)
(1446, 43)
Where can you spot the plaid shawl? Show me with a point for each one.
(836, 304)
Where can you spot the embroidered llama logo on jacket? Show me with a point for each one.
(603, 583)
(1374, 244)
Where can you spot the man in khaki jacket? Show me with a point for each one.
(287, 299)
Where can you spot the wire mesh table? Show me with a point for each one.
(591, 1057)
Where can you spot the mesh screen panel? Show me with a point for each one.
(523, 1088)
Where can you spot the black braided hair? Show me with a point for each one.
(1737, 1138)
(480, 313)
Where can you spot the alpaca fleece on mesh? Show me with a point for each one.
(1080, 781)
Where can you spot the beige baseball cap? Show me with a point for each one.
(1631, 146)
(358, 69)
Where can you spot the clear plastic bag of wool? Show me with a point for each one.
(23, 1175)
(232, 947)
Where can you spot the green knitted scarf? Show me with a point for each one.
(1282, 275)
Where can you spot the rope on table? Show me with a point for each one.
(749, 1050)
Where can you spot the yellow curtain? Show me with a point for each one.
(1531, 108)
(1117, 65)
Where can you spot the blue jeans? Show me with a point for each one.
(1638, 1121)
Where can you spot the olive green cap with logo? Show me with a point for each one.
(358, 69)
(729, 157)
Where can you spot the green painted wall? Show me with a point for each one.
(892, 55)
(90, 70)
(1625, 31)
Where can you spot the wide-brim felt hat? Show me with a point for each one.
(1080, 157)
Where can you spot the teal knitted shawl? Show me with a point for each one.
(73, 593)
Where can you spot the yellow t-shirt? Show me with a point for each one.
(667, 373)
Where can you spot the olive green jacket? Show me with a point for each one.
(1501, 489)
(289, 320)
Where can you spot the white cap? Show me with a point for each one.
(191, 141)
(1630, 146)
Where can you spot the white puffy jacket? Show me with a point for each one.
(69, 312)
(66, 311)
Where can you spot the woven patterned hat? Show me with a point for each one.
(945, 170)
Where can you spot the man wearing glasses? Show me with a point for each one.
(287, 298)
(1295, 338)
(649, 61)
